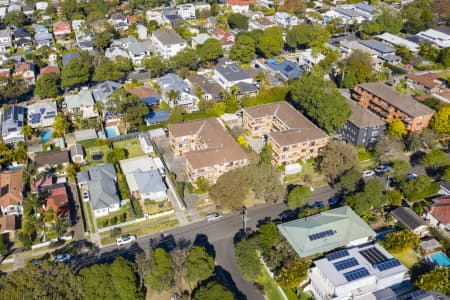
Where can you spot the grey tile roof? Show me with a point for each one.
(65, 58)
(348, 12)
(377, 46)
(13, 118)
(103, 90)
(149, 181)
(102, 186)
(82, 99)
(137, 48)
(408, 218)
(362, 117)
(231, 72)
(365, 7)
(168, 37)
(172, 81)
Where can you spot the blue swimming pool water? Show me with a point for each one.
(16, 167)
(46, 135)
(441, 259)
(112, 131)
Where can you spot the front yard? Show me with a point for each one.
(132, 146)
(124, 214)
(155, 207)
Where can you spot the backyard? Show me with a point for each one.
(407, 257)
(132, 146)
(97, 155)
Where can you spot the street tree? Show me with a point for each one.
(199, 264)
(371, 197)
(160, 274)
(213, 290)
(47, 85)
(419, 187)
(268, 236)
(233, 198)
(400, 169)
(388, 148)
(435, 159)
(349, 181)
(336, 159)
(247, 259)
(298, 195)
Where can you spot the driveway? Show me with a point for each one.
(176, 164)
(256, 144)
(78, 226)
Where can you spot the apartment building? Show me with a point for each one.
(291, 135)
(208, 148)
(390, 105)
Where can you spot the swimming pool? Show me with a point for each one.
(46, 135)
(112, 131)
(441, 259)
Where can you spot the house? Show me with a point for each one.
(307, 59)
(395, 40)
(8, 226)
(25, 71)
(143, 178)
(363, 127)
(199, 39)
(157, 116)
(365, 9)
(285, 20)
(85, 40)
(410, 220)
(48, 160)
(185, 97)
(49, 69)
(113, 52)
(327, 231)
(61, 28)
(445, 188)
(208, 149)
(438, 214)
(137, 51)
(381, 51)
(102, 91)
(436, 37)
(100, 182)
(146, 94)
(240, 6)
(291, 135)
(42, 5)
(153, 15)
(146, 143)
(81, 104)
(58, 201)
(427, 82)
(22, 38)
(345, 15)
(262, 24)
(42, 114)
(225, 38)
(11, 192)
(67, 57)
(42, 37)
(287, 68)
(5, 40)
(390, 105)
(13, 119)
(168, 42)
(355, 273)
(141, 31)
(229, 74)
(186, 11)
(77, 154)
(210, 88)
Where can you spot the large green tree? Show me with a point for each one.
(435, 159)
(437, 279)
(321, 101)
(154, 65)
(47, 85)
(15, 18)
(210, 51)
(76, 72)
(247, 259)
(419, 187)
(199, 264)
(237, 20)
(243, 49)
(349, 181)
(307, 35)
(160, 275)
(213, 291)
(298, 195)
(337, 158)
(441, 120)
(355, 69)
(371, 197)
(271, 42)
(107, 70)
(396, 242)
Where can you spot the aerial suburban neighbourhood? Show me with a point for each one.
(220, 150)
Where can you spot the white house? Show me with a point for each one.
(355, 272)
(13, 119)
(41, 5)
(285, 20)
(398, 41)
(5, 40)
(436, 37)
(142, 31)
(81, 104)
(137, 52)
(42, 114)
(186, 11)
(347, 16)
(168, 42)
(229, 74)
(307, 59)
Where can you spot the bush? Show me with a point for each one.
(137, 209)
(116, 232)
(396, 242)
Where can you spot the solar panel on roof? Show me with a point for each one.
(388, 264)
(373, 255)
(337, 254)
(356, 274)
(322, 234)
(345, 264)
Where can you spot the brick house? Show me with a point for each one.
(291, 135)
(428, 82)
(11, 188)
(390, 105)
(208, 148)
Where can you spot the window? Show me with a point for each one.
(285, 148)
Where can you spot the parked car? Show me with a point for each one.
(335, 200)
(85, 196)
(367, 173)
(382, 169)
(411, 176)
(319, 204)
(126, 239)
(65, 257)
(213, 217)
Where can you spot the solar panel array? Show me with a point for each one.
(345, 264)
(356, 274)
(337, 254)
(388, 264)
(322, 234)
(373, 255)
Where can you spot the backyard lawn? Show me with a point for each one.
(407, 257)
(132, 146)
(94, 150)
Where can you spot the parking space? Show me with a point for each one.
(257, 144)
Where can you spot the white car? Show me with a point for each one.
(367, 173)
(62, 258)
(85, 196)
(126, 239)
(213, 217)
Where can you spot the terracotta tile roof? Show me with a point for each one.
(7, 223)
(61, 25)
(58, 201)
(11, 187)
(225, 38)
(22, 67)
(42, 182)
(50, 69)
(428, 80)
(218, 146)
(441, 210)
(131, 19)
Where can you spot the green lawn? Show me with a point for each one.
(142, 231)
(407, 257)
(107, 220)
(270, 286)
(132, 146)
(104, 149)
(87, 212)
(309, 171)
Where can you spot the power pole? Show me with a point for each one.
(244, 219)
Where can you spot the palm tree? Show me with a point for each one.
(27, 131)
(172, 95)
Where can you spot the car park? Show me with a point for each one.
(126, 239)
(213, 217)
(367, 173)
(65, 257)
(382, 169)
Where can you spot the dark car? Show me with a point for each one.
(335, 200)
(319, 204)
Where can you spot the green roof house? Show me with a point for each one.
(335, 228)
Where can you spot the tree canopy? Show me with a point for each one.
(213, 290)
(76, 72)
(237, 20)
(307, 35)
(336, 159)
(298, 195)
(271, 42)
(47, 85)
(243, 49)
(199, 264)
(397, 129)
(441, 120)
(437, 279)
